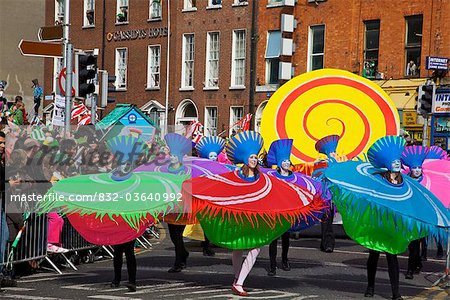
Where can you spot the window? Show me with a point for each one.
(89, 13)
(274, 2)
(212, 59)
(237, 2)
(413, 45)
(236, 114)
(273, 50)
(121, 68)
(214, 2)
(154, 65)
(210, 121)
(371, 45)
(187, 76)
(189, 4)
(155, 12)
(238, 58)
(59, 11)
(316, 47)
(122, 11)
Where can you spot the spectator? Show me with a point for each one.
(15, 115)
(19, 101)
(411, 69)
(37, 95)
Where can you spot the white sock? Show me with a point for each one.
(248, 265)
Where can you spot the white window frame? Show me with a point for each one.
(88, 5)
(59, 11)
(151, 10)
(240, 2)
(214, 3)
(154, 67)
(119, 4)
(235, 60)
(210, 129)
(211, 75)
(189, 5)
(310, 46)
(121, 86)
(188, 59)
(234, 118)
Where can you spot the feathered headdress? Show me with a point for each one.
(279, 150)
(178, 145)
(385, 150)
(128, 147)
(436, 153)
(210, 144)
(413, 156)
(242, 145)
(327, 144)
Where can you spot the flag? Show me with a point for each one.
(191, 128)
(38, 134)
(245, 122)
(78, 110)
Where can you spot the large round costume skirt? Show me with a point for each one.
(240, 214)
(108, 212)
(192, 167)
(380, 215)
(314, 186)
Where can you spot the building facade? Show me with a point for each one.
(384, 41)
(195, 57)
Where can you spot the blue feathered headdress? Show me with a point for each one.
(436, 153)
(210, 144)
(178, 145)
(279, 150)
(242, 145)
(327, 144)
(413, 156)
(127, 146)
(385, 150)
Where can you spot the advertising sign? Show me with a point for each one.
(441, 101)
(437, 63)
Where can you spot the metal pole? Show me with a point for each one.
(68, 87)
(425, 131)
(68, 52)
(166, 119)
(93, 108)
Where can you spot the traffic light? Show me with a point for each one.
(87, 72)
(425, 95)
(108, 82)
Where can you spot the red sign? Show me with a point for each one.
(62, 75)
(41, 49)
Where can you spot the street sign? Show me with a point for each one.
(50, 33)
(62, 82)
(40, 49)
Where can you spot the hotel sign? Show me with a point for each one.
(134, 34)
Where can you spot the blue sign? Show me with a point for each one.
(437, 63)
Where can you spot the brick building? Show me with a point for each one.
(382, 40)
(208, 60)
(211, 52)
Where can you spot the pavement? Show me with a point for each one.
(314, 275)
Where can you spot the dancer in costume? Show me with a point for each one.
(209, 147)
(279, 155)
(327, 146)
(379, 207)
(413, 157)
(246, 209)
(179, 146)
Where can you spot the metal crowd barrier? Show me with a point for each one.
(33, 242)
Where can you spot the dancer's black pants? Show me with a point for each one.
(284, 250)
(393, 270)
(128, 248)
(176, 236)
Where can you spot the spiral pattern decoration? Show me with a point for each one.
(324, 102)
